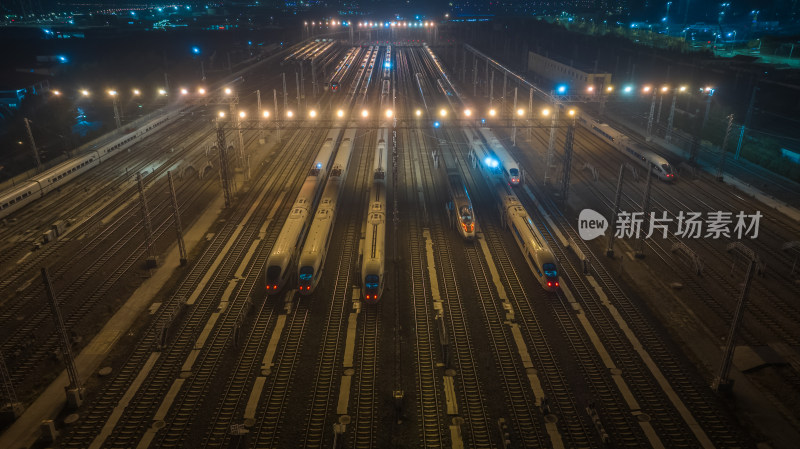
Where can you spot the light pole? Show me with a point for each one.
(709, 91)
(672, 111)
(117, 118)
(647, 89)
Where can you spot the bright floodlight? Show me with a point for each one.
(609, 88)
(443, 112)
(289, 114)
(467, 112)
(646, 89)
(56, 93)
(340, 113)
(184, 91)
(221, 114)
(571, 112)
(492, 112)
(418, 113)
(136, 92)
(590, 89)
(561, 89)
(388, 113)
(520, 112)
(665, 88)
(228, 91)
(112, 92)
(682, 89)
(545, 112)
(201, 91)
(312, 113)
(627, 89)
(162, 92)
(364, 113)
(266, 114)
(242, 114)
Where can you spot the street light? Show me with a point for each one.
(228, 91)
(520, 112)
(184, 91)
(418, 113)
(221, 114)
(84, 92)
(162, 92)
(590, 89)
(467, 112)
(137, 92)
(117, 118)
(388, 113)
(545, 112)
(492, 112)
(443, 112)
(266, 114)
(289, 114)
(201, 91)
(610, 89)
(340, 113)
(242, 114)
(56, 93)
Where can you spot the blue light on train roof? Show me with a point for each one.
(490, 162)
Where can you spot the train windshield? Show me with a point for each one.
(550, 270)
(514, 172)
(667, 168)
(306, 273)
(466, 214)
(273, 273)
(371, 282)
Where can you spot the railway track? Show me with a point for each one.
(169, 316)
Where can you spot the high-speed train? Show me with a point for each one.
(312, 257)
(373, 257)
(508, 166)
(38, 186)
(537, 254)
(282, 259)
(341, 69)
(494, 161)
(459, 204)
(387, 63)
(630, 148)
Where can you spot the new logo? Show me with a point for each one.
(591, 224)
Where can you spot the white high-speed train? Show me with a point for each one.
(630, 148)
(373, 257)
(507, 164)
(315, 249)
(282, 259)
(538, 256)
(38, 186)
